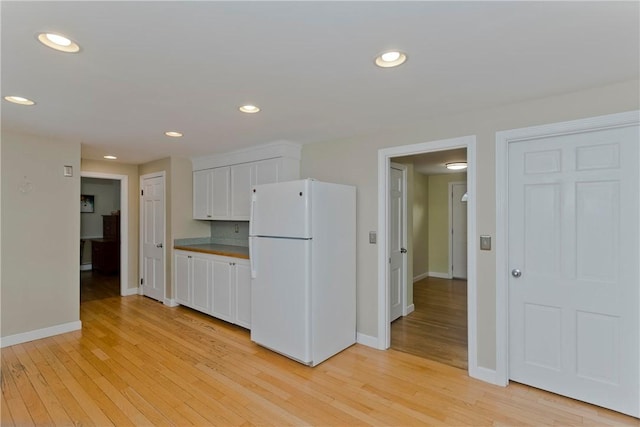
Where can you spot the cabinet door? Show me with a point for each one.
(220, 194)
(241, 190)
(202, 193)
(223, 293)
(182, 278)
(243, 293)
(266, 171)
(201, 295)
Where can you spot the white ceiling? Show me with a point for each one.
(148, 67)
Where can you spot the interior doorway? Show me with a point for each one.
(109, 280)
(434, 325)
(385, 156)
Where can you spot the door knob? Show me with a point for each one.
(158, 245)
(403, 250)
(516, 273)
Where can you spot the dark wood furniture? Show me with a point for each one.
(105, 252)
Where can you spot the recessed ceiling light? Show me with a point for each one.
(19, 100)
(456, 165)
(173, 134)
(58, 42)
(249, 109)
(110, 157)
(389, 59)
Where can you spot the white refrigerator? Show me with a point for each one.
(302, 248)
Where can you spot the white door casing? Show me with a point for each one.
(572, 233)
(457, 231)
(385, 155)
(152, 235)
(397, 241)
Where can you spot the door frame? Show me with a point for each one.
(405, 277)
(124, 226)
(159, 174)
(503, 139)
(450, 189)
(384, 160)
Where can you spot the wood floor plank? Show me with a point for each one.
(37, 409)
(137, 362)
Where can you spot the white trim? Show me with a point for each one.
(40, 333)
(485, 374)
(503, 139)
(409, 309)
(384, 158)
(420, 277)
(131, 291)
(170, 302)
(367, 340)
(124, 223)
(140, 289)
(439, 275)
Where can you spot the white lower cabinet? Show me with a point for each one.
(216, 285)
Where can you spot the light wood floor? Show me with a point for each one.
(437, 328)
(138, 362)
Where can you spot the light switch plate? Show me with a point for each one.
(373, 237)
(68, 171)
(485, 243)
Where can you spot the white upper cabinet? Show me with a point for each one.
(222, 184)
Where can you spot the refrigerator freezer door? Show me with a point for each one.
(281, 209)
(280, 296)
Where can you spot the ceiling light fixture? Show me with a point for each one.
(173, 134)
(389, 59)
(455, 166)
(19, 100)
(110, 157)
(249, 109)
(58, 42)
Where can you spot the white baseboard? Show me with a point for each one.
(86, 267)
(170, 302)
(484, 374)
(439, 275)
(130, 291)
(410, 309)
(420, 277)
(367, 340)
(40, 333)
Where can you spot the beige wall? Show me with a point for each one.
(420, 230)
(40, 234)
(354, 161)
(439, 221)
(131, 171)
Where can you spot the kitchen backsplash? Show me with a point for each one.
(224, 233)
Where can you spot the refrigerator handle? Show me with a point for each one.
(252, 254)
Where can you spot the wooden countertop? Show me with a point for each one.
(214, 249)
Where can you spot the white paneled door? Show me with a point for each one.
(573, 251)
(397, 243)
(153, 239)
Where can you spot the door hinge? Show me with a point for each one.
(389, 260)
(141, 281)
(142, 192)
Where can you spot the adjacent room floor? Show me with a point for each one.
(437, 329)
(95, 286)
